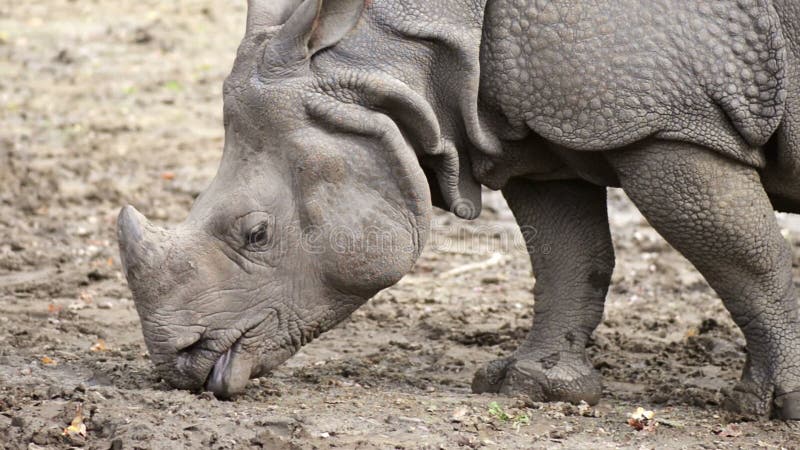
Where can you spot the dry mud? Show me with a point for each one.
(108, 102)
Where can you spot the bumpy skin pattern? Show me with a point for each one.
(716, 213)
(601, 74)
(565, 226)
(693, 105)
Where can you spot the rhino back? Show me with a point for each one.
(601, 74)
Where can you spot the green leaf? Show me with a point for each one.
(173, 86)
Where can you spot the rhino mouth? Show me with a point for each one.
(220, 368)
(231, 372)
(246, 358)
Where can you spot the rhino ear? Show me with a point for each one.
(334, 20)
(263, 14)
(315, 25)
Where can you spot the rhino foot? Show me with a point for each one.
(541, 379)
(787, 406)
(749, 402)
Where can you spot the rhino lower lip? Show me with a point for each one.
(220, 374)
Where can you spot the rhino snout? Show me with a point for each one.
(219, 361)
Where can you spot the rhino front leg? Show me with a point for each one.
(716, 213)
(565, 225)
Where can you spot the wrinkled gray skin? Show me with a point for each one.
(346, 121)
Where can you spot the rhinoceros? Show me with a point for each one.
(347, 121)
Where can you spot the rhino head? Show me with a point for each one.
(319, 203)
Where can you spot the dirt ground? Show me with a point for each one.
(107, 102)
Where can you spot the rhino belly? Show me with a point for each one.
(781, 176)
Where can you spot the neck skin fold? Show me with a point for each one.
(421, 68)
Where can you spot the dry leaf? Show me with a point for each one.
(643, 420)
(459, 414)
(77, 306)
(77, 426)
(86, 297)
(585, 410)
(100, 346)
(48, 361)
(730, 430)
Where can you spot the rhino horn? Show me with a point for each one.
(269, 13)
(137, 242)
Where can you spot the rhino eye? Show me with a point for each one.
(258, 238)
